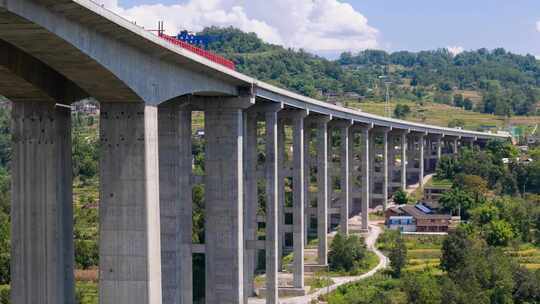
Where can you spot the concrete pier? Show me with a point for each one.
(224, 204)
(344, 174)
(130, 246)
(421, 160)
(404, 161)
(250, 200)
(272, 218)
(281, 189)
(41, 205)
(439, 148)
(298, 198)
(385, 169)
(176, 204)
(322, 192)
(366, 181)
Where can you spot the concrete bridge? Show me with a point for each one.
(56, 52)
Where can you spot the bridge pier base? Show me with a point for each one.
(41, 208)
(129, 251)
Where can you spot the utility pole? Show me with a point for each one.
(387, 83)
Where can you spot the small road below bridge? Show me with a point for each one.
(371, 239)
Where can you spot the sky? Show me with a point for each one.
(329, 27)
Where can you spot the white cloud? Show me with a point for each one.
(538, 25)
(316, 25)
(455, 50)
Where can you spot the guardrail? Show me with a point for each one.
(208, 55)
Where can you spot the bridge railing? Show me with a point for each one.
(208, 55)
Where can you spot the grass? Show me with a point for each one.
(376, 216)
(369, 262)
(526, 255)
(441, 115)
(87, 293)
(319, 280)
(423, 251)
(378, 287)
(439, 183)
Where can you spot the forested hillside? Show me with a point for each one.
(486, 81)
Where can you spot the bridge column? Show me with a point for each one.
(421, 142)
(298, 198)
(281, 188)
(250, 200)
(344, 159)
(130, 245)
(385, 169)
(272, 218)
(455, 147)
(366, 159)
(404, 161)
(41, 205)
(322, 190)
(439, 148)
(175, 195)
(224, 203)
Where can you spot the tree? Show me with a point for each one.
(5, 249)
(467, 104)
(458, 100)
(527, 286)
(457, 200)
(456, 122)
(499, 233)
(401, 197)
(421, 288)
(346, 253)
(454, 250)
(398, 256)
(472, 184)
(401, 111)
(446, 167)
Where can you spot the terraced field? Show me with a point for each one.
(441, 115)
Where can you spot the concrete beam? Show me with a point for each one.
(45, 84)
(41, 205)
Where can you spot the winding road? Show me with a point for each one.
(370, 239)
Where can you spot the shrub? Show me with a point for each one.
(398, 255)
(400, 197)
(346, 253)
(4, 294)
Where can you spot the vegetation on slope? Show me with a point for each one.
(486, 81)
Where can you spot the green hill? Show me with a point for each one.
(494, 82)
